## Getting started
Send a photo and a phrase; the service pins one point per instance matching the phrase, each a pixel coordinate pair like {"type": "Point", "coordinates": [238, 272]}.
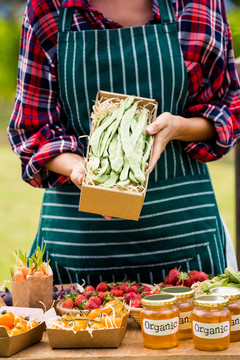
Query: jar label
{"type": "Point", "coordinates": [235, 322]}
{"type": "Point", "coordinates": [161, 327]}
{"type": "Point", "coordinates": [211, 331]}
{"type": "Point", "coordinates": [185, 320]}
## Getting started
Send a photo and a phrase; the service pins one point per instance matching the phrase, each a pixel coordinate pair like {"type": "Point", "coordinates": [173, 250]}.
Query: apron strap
{"type": "Point", "coordinates": [166, 11]}
{"type": "Point", "coordinates": [65, 18]}
{"type": "Point", "coordinates": [66, 15]}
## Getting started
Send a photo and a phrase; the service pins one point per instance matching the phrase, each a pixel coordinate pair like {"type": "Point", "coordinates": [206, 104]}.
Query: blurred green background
{"type": "Point", "coordinates": [20, 203]}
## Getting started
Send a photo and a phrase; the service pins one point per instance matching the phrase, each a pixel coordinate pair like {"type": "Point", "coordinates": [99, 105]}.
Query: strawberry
{"type": "Point", "coordinates": [173, 276]}
{"type": "Point", "coordinates": [132, 288]}
{"type": "Point", "coordinates": [202, 276]}
{"type": "Point", "coordinates": [68, 304]}
{"type": "Point", "coordinates": [155, 292]}
{"type": "Point", "coordinates": [181, 278]}
{"type": "Point", "coordinates": [187, 282]}
{"type": "Point", "coordinates": [102, 287]}
{"type": "Point", "coordinates": [113, 286]}
{"type": "Point", "coordinates": [123, 286]}
{"type": "Point", "coordinates": [193, 276]}
{"type": "Point", "coordinates": [166, 280]}
{"type": "Point", "coordinates": [145, 288]}
{"type": "Point", "coordinates": [91, 304]}
{"type": "Point", "coordinates": [103, 295]}
{"type": "Point", "coordinates": [132, 295]}
{"type": "Point", "coordinates": [89, 288]}
{"type": "Point", "coordinates": [166, 285]}
{"type": "Point", "coordinates": [136, 303]}
{"type": "Point", "coordinates": [79, 300]}
{"type": "Point", "coordinates": [116, 292]}
{"type": "Point", "coordinates": [96, 299]}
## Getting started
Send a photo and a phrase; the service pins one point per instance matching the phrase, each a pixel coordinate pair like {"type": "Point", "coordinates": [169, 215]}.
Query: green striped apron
{"type": "Point", "coordinates": [179, 223]}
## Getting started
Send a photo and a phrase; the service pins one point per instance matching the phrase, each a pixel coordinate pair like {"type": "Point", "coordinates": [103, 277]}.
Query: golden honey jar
{"type": "Point", "coordinates": [233, 295]}
{"type": "Point", "coordinates": [159, 320]}
{"type": "Point", "coordinates": [184, 297]}
{"type": "Point", "coordinates": [211, 322]}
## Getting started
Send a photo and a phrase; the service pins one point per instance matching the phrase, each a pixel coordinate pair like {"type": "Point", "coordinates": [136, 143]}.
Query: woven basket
{"type": "Point", "coordinates": [134, 313]}
{"type": "Point", "coordinates": [62, 311]}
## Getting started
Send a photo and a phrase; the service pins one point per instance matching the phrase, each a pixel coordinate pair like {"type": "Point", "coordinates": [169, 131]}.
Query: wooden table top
{"type": "Point", "coordinates": [131, 348]}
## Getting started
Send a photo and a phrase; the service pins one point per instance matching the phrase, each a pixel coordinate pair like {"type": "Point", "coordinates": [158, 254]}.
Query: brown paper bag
{"type": "Point", "coordinates": [33, 292]}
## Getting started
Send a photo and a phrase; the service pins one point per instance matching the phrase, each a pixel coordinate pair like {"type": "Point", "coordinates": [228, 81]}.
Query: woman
{"type": "Point", "coordinates": [71, 50]}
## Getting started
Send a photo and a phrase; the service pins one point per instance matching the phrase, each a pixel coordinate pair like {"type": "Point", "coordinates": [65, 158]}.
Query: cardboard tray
{"type": "Point", "coordinates": [114, 202]}
{"type": "Point", "coordinates": [106, 338]}
{"type": "Point", "coordinates": [10, 345]}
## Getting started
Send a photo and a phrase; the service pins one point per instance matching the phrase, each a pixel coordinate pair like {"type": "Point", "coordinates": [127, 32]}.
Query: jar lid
{"type": "Point", "coordinates": [181, 292]}
{"type": "Point", "coordinates": [210, 301]}
{"type": "Point", "coordinates": [158, 300]}
{"type": "Point", "coordinates": [228, 292]}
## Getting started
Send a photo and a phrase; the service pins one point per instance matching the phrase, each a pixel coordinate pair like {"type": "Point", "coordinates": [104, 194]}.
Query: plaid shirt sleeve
{"type": "Point", "coordinates": [214, 91]}
{"type": "Point", "coordinates": [35, 131]}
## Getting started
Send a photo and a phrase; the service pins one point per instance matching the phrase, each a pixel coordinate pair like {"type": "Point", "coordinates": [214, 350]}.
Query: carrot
{"type": "Point", "coordinates": [38, 273]}
{"type": "Point", "coordinates": [25, 270]}
{"type": "Point", "coordinates": [19, 276]}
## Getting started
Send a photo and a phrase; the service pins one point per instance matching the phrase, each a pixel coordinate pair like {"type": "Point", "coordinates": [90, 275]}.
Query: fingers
{"type": "Point", "coordinates": [77, 174]}
{"type": "Point", "coordinates": [107, 217]}
{"type": "Point", "coordinates": [163, 131]}
{"type": "Point", "coordinates": [159, 124]}
{"type": "Point", "coordinates": [156, 153]}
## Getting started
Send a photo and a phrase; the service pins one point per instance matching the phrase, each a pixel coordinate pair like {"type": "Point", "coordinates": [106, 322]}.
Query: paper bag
{"type": "Point", "coordinates": [33, 292]}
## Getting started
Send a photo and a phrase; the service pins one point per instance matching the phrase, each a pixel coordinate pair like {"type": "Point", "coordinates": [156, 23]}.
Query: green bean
{"type": "Point", "coordinates": [95, 138]}
{"type": "Point", "coordinates": [149, 139]}
{"type": "Point", "coordinates": [125, 170]}
{"type": "Point", "coordinates": [95, 160]}
{"type": "Point", "coordinates": [104, 165]}
{"type": "Point", "coordinates": [109, 135]}
{"type": "Point", "coordinates": [111, 180]}
{"type": "Point", "coordinates": [117, 162]}
{"type": "Point", "coordinates": [102, 178]}
{"type": "Point", "coordinates": [124, 183]}
{"type": "Point", "coordinates": [132, 177]}
{"type": "Point", "coordinates": [100, 121]}
{"type": "Point", "coordinates": [140, 127]}
{"type": "Point", "coordinates": [127, 146]}
{"type": "Point", "coordinates": [106, 137]}
{"type": "Point", "coordinates": [113, 149]}
{"type": "Point", "coordinates": [134, 123]}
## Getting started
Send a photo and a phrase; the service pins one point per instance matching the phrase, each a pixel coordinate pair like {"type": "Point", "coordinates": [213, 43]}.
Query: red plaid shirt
{"type": "Point", "coordinates": [35, 130]}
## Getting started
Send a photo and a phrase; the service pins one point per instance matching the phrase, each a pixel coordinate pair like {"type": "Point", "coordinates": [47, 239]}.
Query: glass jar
{"type": "Point", "coordinates": [159, 320]}
{"type": "Point", "coordinates": [184, 297]}
{"type": "Point", "coordinates": [233, 295]}
{"type": "Point", "coordinates": [211, 322]}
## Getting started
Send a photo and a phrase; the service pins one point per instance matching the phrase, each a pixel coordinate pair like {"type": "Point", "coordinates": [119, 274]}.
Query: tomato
{"type": "Point", "coordinates": [7, 318]}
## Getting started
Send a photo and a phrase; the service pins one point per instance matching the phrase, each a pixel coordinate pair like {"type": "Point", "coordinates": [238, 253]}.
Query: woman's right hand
{"type": "Point", "coordinates": [71, 165]}
{"type": "Point", "coordinates": [68, 164]}
{"type": "Point", "coordinates": [77, 173]}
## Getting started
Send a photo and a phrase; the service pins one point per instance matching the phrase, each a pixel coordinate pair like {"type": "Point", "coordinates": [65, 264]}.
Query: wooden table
{"type": "Point", "coordinates": [131, 349]}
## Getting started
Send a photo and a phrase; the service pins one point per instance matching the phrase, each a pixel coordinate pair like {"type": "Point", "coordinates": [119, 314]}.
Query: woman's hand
{"type": "Point", "coordinates": [71, 165]}
{"type": "Point", "coordinates": [169, 127]}
{"type": "Point", "coordinates": [68, 164]}
{"type": "Point", "coordinates": [164, 129]}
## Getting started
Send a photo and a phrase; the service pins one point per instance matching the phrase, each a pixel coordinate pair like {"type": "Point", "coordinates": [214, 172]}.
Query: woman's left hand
{"type": "Point", "coordinates": [164, 128]}
{"type": "Point", "coordinates": [169, 127]}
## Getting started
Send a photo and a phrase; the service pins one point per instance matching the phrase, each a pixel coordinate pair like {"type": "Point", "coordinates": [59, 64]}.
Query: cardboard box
{"type": "Point", "coordinates": [115, 202]}
{"type": "Point", "coordinates": [10, 345]}
{"type": "Point", "coordinates": [106, 338]}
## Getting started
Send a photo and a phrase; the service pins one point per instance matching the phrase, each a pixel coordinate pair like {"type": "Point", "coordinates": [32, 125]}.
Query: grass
{"type": "Point", "coordinates": [21, 204]}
